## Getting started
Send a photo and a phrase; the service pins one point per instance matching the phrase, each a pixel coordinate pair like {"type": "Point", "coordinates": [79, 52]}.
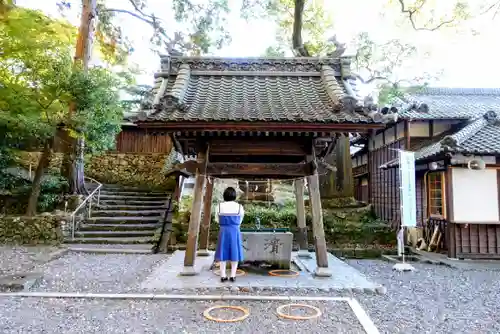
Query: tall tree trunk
{"type": "Point", "coordinates": [338, 184]}
{"type": "Point", "coordinates": [37, 181]}
{"type": "Point", "coordinates": [73, 162]}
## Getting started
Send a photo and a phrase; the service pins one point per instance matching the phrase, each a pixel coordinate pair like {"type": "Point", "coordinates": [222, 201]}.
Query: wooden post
{"type": "Point", "coordinates": [194, 222]}
{"type": "Point", "coordinates": [207, 218]}
{"type": "Point", "coordinates": [301, 219]}
{"type": "Point", "coordinates": [318, 229]}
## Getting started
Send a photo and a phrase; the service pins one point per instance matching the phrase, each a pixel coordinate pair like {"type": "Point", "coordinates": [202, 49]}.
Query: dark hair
{"type": "Point", "coordinates": [229, 194]}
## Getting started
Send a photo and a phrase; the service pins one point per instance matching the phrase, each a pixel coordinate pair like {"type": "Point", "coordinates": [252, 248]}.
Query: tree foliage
{"type": "Point", "coordinates": [39, 82]}
{"type": "Point", "coordinates": [202, 26]}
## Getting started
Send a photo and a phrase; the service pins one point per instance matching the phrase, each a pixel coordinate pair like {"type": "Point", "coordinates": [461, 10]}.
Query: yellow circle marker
{"type": "Point", "coordinates": [243, 310]}
{"type": "Point", "coordinates": [284, 273]}
{"type": "Point", "coordinates": [239, 272]}
{"type": "Point", "coordinates": [279, 310]}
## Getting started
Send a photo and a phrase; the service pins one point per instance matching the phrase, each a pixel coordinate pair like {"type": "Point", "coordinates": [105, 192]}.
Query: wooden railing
{"type": "Point", "coordinates": [166, 228]}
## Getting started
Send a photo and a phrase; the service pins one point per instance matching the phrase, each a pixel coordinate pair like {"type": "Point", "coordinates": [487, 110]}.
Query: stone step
{"type": "Point", "coordinates": [114, 241]}
{"type": "Point", "coordinates": [119, 227]}
{"type": "Point", "coordinates": [115, 187]}
{"type": "Point", "coordinates": [114, 234]}
{"type": "Point", "coordinates": [122, 220]}
{"type": "Point", "coordinates": [133, 193]}
{"type": "Point", "coordinates": [111, 248]}
{"type": "Point", "coordinates": [129, 207]}
{"type": "Point", "coordinates": [121, 213]}
{"type": "Point", "coordinates": [135, 198]}
{"type": "Point", "coordinates": [127, 202]}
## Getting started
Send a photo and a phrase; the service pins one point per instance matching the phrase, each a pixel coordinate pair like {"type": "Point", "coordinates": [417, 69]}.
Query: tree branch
{"type": "Point", "coordinates": [124, 11]}
{"type": "Point", "coordinates": [411, 16]}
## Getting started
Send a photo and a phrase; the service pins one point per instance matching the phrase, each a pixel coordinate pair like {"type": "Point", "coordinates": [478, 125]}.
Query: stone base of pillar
{"type": "Point", "coordinates": [322, 272]}
{"type": "Point", "coordinates": [203, 252]}
{"type": "Point", "coordinates": [188, 271]}
{"type": "Point", "coordinates": [303, 253]}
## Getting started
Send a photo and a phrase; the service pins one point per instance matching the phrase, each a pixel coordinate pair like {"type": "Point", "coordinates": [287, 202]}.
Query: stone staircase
{"type": "Point", "coordinates": [126, 218]}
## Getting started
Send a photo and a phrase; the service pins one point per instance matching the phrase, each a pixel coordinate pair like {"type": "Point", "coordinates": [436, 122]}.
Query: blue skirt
{"type": "Point", "coordinates": [229, 245]}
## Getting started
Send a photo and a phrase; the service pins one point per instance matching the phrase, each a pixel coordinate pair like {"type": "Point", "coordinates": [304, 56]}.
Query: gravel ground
{"type": "Point", "coordinates": [98, 273]}
{"type": "Point", "coordinates": [22, 259]}
{"type": "Point", "coordinates": [107, 316]}
{"type": "Point", "coordinates": [433, 299]}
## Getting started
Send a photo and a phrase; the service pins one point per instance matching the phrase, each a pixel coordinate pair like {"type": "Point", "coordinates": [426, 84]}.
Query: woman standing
{"type": "Point", "coordinates": [229, 245]}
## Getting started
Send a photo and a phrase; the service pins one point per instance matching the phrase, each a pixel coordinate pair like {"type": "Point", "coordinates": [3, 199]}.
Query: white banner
{"type": "Point", "coordinates": [408, 191]}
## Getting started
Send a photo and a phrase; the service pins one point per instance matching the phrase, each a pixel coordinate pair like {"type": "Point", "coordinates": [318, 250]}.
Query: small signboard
{"type": "Point", "coordinates": [408, 191]}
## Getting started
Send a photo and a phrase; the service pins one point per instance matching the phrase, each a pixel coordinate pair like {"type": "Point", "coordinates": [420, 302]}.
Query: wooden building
{"type": "Point", "coordinates": [254, 118]}
{"type": "Point", "coordinates": [456, 136]}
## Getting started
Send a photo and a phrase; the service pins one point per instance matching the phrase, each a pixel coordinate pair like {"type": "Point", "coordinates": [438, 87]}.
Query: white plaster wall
{"type": "Point", "coordinates": [475, 195]}
{"type": "Point", "coordinates": [488, 159]}
{"type": "Point", "coordinates": [440, 127]}
{"type": "Point", "coordinates": [419, 129]}
{"type": "Point", "coordinates": [364, 159]}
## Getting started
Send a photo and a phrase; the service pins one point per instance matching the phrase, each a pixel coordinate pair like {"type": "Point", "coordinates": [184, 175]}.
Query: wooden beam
{"type": "Point", "coordinates": [277, 170]}
{"type": "Point", "coordinates": [301, 219]}
{"type": "Point", "coordinates": [207, 218]}
{"type": "Point", "coordinates": [318, 228]}
{"type": "Point", "coordinates": [194, 222]}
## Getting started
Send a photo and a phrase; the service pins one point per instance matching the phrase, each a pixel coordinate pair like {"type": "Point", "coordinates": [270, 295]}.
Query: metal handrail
{"type": "Point", "coordinates": [83, 203]}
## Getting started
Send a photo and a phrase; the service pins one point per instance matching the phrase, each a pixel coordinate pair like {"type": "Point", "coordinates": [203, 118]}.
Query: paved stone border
{"type": "Point", "coordinates": [108, 251]}
{"type": "Point", "coordinates": [57, 254]}
{"type": "Point", "coordinates": [379, 290]}
{"type": "Point", "coordinates": [357, 309]}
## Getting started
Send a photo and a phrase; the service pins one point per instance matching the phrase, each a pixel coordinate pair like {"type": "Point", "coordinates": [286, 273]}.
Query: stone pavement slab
{"type": "Point", "coordinates": [344, 279]}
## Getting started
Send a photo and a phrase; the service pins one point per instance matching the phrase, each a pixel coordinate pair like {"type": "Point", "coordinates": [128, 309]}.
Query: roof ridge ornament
{"type": "Point", "coordinates": [491, 117]}
{"type": "Point", "coordinates": [339, 47]}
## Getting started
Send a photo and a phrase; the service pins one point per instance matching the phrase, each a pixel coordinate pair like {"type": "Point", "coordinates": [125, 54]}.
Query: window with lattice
{"type": "Point", "coordinates": [436, 195]}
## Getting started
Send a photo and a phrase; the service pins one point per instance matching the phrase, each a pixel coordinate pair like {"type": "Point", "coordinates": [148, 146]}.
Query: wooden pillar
{"type": "Point", "coordinates": [318, 228]}
{"type": "Point", "coordinates": [207, 218]}
{"type": "Point", "coordinates": [301, 219]}
{"type": "Point", "coordinates": [194, 222]}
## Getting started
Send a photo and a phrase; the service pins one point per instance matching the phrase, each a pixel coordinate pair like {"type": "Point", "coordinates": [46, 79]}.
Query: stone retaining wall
{"type": "Point", "coordinates": [43, 229]}
{"type": "Point", "coordinates": [138, 170]}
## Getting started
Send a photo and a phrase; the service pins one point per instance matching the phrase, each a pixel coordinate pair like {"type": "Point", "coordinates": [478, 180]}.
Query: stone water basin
{"type": "Point", "coordinates": [273, 246]}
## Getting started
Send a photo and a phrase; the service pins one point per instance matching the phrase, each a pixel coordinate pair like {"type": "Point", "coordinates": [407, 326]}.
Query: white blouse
{"type": "Point", "coordinates": [230, 208]}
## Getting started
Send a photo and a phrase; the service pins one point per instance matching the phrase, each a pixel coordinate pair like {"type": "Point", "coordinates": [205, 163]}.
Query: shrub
{"type": "Point", "coordinates": [350, 227]}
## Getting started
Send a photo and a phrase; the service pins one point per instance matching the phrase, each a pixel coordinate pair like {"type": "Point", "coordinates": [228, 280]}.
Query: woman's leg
{"type": "Point", "coordinates": [234, 268]}
{"type": "Point", "coordinates": [222, 268]}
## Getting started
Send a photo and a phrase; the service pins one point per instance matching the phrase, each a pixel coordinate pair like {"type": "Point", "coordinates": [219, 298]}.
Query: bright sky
{"type": "Point", "coordinates": [467, 61]}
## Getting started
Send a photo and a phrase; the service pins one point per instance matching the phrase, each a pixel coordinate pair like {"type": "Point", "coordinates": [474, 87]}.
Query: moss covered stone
{"type": "Point", "coordinates": [43, 229]}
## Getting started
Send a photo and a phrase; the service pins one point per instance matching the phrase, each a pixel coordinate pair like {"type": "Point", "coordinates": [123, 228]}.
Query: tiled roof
{"type": "Point", "coordinates": [480, 136]}
{"type": "Point", "coordinates": [449, 103]}
{"type": "Point", "coordinates": [255, 89]}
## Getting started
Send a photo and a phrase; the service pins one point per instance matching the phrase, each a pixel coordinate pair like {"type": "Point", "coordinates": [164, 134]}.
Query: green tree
{"type": "Point", "coordinates": [203, 26]}
{"type": "Point", "coordinates": [205, 22]}
{"type": "Point", "coordinates": [38, 82]}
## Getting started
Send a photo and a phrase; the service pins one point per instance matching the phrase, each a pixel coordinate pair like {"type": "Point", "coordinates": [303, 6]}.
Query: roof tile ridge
{"type": "Point", "coordinates": [181, 83]}
{"type": "Point", "coordinates": [455, 140]}
{"type": "Point", "coordinates": [332, 86]}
